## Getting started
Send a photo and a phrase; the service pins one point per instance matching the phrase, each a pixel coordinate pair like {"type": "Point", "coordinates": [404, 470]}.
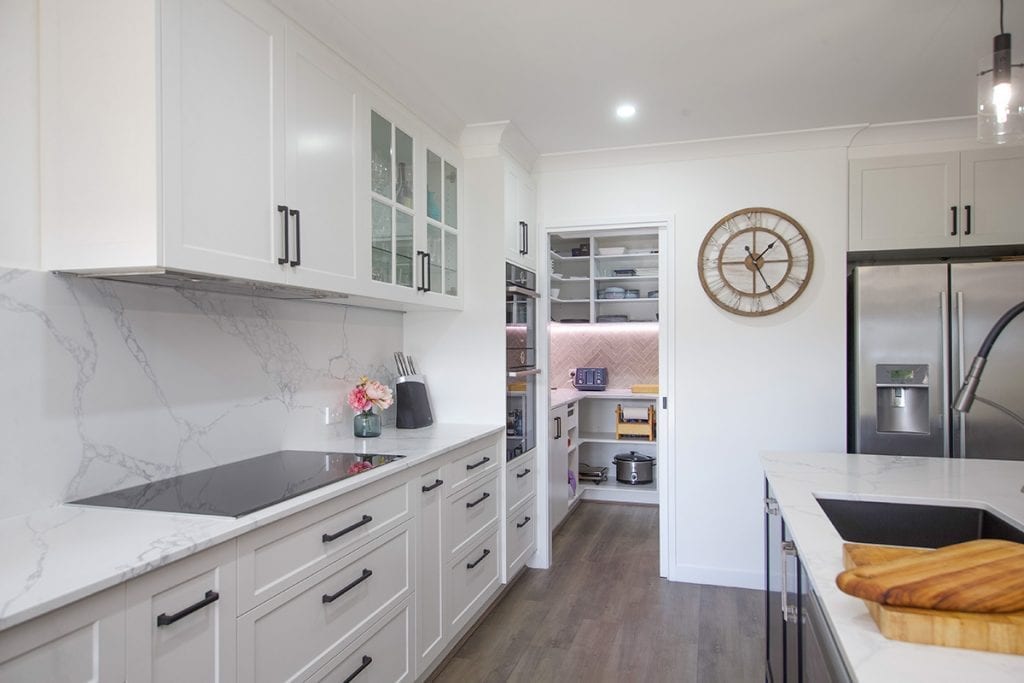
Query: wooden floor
{"type": "Point", "coordinates": [602, 614]}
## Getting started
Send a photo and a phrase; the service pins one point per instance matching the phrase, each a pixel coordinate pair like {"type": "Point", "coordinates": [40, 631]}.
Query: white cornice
{"type": "Point", "coordinates": [490, 139]}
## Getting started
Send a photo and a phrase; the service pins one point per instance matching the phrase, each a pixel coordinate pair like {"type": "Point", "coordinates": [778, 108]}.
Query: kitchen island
{"type": "Point", "coordinates": [797, 479]}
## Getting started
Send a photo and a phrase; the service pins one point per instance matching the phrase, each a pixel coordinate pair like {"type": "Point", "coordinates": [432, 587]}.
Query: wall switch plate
{"type": "Point", "coordinates": [333, 415]}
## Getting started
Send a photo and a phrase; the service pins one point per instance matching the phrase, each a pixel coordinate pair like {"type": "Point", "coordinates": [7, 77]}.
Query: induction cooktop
{"type": "Point", "coordinates": [242, 487]}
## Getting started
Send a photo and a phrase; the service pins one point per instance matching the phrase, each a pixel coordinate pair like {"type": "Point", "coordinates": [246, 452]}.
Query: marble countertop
{"type": "Point", "coordinates": [797, 478]}
{"type": "Point", "coordinates": [57, 555]}
{"type": "Point", "coordinates": [560, 397]}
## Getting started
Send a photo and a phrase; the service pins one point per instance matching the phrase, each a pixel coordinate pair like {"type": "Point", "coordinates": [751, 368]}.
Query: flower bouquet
{"type": "Point", "coordinates": [366, 396]}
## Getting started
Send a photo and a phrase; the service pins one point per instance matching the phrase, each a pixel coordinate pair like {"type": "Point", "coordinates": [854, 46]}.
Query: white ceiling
{"type": "Point", "coordinates": [695, 69]}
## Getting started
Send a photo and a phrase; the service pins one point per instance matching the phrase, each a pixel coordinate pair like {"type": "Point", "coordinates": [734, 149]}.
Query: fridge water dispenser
{"type": "Point", "coordinates": [901, 399]}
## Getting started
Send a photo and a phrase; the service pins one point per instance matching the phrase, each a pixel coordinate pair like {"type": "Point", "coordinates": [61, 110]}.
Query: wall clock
{"type": "Point", "coordinates": [755, 261]}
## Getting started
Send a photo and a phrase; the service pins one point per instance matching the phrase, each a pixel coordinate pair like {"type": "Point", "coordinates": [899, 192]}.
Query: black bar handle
{"type": "Point", "coordinates": [327, 538]}
{"type": "Point", "coordinates": [967, 212]}
{"type": "Point", "coordinates": [477, 464]}
{"type": "Point", "coordinates": [471, 565]}
{"type": "Point", "coordinates": [558, 425]}
{"type": "Point", "coordinates": [363, 577]}
{"type": "Point", "coordinates": [953, 211]}
{"type": "Point", "coordinates": [367, 661]}
{"type": "Point", "coordinates": [298, 238]}
{"type": "Point", "coordinates": [423, 276]}
{"type": "Point", "coordinates": [523, 474]}
{"type": "Point", "coordinates": [478, 500]}
{"type": "Point", "coordinates": [526, 238]}
{"type": "Point", "coordinates": [430, 278]}
{"type": "Point", "coordinates": [522, 238]}
{"type": "Point", "coordinates": [520, 525]}
{"type": "Point", "coordinates": [168, 619]}
{"type": "Point", "coordinates": [282, 209]}
{"type": "Point", "coordinates": [437, 482]}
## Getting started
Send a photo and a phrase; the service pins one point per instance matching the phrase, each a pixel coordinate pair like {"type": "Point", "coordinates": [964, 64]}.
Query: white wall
{"type": "Point", "coordinates": [741, 385]}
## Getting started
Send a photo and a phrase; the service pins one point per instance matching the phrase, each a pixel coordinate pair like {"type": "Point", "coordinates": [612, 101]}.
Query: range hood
{"type": "Point", "coordinates": [165, 277]}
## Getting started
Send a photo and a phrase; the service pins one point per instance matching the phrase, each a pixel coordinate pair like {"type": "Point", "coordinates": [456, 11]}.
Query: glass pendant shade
{"type": "Point", "coordinates": [1001, 98]}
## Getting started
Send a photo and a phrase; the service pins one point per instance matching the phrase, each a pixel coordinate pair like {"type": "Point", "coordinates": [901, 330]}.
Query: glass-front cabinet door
{"type": "Point", "coordinates": [392, 212]}
{"type": "Point", "coordinates": [442, 254]}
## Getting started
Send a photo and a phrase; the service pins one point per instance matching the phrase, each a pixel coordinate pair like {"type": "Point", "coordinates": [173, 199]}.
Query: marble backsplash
{"type": "Point", "coordinates": [109, 385]}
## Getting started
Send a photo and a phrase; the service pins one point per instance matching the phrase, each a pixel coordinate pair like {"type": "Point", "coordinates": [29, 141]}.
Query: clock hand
{"type": "Point", "coordinates": [757, 267]}
{"type": "Point", "coordinates": [759, 256]}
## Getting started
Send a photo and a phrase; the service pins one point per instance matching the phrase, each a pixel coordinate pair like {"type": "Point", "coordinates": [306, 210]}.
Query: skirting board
{"type": "Point", "coordinates": [717, 576]}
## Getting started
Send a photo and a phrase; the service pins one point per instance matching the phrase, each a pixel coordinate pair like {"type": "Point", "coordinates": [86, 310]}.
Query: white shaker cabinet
{"type": "Point", "coordinates": [84, 642]}
{"type": "Point", "coordinates": [521, 245]}
{"type": "Point", "coordinates": [429, 575]}
{"type": "Point", "coordinates": [181, 620]}
{"type": "Point", "coordinates": [558, 467]}
{"type": "Point", "coordinates": [925, 201]}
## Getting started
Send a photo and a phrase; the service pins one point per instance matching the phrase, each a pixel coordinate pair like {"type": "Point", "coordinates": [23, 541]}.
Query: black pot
{"type": "Point", "coordinates": [634, 468]}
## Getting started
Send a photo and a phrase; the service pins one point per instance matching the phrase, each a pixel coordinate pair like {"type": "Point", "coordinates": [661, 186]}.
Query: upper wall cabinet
{"type": "Point", "coordinates": [218, 137]}
{"type": "Point", "coordinates": [954, 199]}
{"type": "Point", "coordinates": [521, 245]}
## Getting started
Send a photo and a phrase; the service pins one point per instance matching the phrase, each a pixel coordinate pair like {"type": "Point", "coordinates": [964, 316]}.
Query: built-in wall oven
{"type": "Point", "coordinates": [521, 360]}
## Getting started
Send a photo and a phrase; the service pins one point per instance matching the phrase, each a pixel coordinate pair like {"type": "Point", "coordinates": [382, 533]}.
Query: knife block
{"type": "Point", "coordinates": [413, 402]}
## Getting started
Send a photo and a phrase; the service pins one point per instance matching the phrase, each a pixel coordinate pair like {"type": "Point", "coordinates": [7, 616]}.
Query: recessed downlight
{"type": "Point", "coordinates": [625, 111]}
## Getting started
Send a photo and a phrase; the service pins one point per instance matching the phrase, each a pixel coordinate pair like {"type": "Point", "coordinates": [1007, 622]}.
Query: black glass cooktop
{"type": "Point", "coordinates": [242, 487]}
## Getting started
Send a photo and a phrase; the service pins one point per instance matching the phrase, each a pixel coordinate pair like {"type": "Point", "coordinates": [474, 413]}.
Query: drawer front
{"type": "Point", "coordinates": [472, 579]}
{"type": "Point", "coordinates": [520, 536]}
{"type": "Point", "coordinates": [273, 559]}
{"type": "Point", "coordinates": [293, 634]}
{"type": "Point", "coordinates": [520, 481]}
{"type": "Point", "coordinates": [478, 461]}
{"type": "Point", "coordinates": [384, 657]}
{"type": "Point", "coordinates": [470, 512]}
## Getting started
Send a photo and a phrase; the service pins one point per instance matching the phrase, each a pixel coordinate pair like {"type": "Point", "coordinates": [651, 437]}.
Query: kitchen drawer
{"type": "Point", "coordinates": [470, 464]}
{"type": "Point", "coordinates": [296, 632]}
{"type": "Point", "coordinates": [470, 511]}
{"type": "Point", "coordinates": [472, 579]}
{"type": "Point", "coordinates": [520, 536]}
{"type": "Point", "coordinates": [280, 555]}
{"type": "Point", "coordinates": [520, 480]}
{"type": "Point", "coordinates": [383, 657]}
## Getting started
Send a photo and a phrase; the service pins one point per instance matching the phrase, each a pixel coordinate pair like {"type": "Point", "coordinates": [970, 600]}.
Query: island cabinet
{"type": "Point", "coordinates": [82, 642]}
{"type": "Point", "coordinates": [799, 645]}
{"type": "Point", "coordinates": [943, 200]}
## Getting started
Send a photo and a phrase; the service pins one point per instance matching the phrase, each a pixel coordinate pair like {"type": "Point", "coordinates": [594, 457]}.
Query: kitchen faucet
{"type": "Point", "coordinates": [965, 397]}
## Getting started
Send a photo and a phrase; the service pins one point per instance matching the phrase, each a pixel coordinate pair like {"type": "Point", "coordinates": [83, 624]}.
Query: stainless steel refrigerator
{"type": "Point", "coordinates": [914, 331]}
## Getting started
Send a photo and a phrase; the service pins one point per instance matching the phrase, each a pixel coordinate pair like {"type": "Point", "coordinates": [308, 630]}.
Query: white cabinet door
{"type": "Point", "coordinates": [83, 642]}
{"type": "Point", "coordinates": [181, 620]}
{"type": "Point", "coordinates": [521, 246]}
{"type": "Point", "coordinates": [992, 194]}
{"type": "Point", "coordinates": [908, 202]}
{"type": "Point", "coordinates": [430, 570]}
{"type": "Point", "coordinates": [222, 80]}
{"type": "Point", "coordinates": [320, 133]}
{"type": "Point", "coordinates": [558, 467]}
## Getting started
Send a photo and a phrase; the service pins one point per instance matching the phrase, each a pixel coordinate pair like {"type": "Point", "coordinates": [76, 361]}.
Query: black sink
{"type": "Point", "coordinates": [910, 524]}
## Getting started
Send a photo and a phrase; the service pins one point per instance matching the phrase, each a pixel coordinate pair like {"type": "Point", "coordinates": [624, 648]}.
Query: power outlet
{"type": "Point", "coordinates": [333, 415]}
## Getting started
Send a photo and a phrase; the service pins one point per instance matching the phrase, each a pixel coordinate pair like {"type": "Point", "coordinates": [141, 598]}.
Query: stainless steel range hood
{"type": "Point", "coordinates": [164, 277]}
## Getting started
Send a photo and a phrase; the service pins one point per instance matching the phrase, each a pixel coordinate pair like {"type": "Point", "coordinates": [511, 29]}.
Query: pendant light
{"type": "Point", "coordinates": [1001, 92]}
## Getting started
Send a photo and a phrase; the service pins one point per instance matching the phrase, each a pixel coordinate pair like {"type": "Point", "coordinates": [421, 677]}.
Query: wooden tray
{"type": "Point", "coordinates": [970, 630]}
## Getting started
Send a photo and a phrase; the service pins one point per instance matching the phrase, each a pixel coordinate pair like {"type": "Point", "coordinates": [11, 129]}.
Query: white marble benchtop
{"type": "Point", "coordinates": [797, 478]}
{"type": "Point", "coordinates": [55, 556]}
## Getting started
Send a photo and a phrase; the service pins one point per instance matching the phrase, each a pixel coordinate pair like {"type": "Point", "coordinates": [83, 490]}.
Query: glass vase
{"type": "Point", "coordinates": [366, 425]}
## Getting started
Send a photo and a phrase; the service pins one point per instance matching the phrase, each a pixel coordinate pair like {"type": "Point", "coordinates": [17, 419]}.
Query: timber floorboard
{"type": "Point", "coordinates": [601, 613]}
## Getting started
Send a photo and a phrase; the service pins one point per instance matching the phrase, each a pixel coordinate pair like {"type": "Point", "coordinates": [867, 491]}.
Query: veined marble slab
{"type": "Point", "coordinates": [798, 478]}
{"type": "Point", "coordinates": [60, 554]}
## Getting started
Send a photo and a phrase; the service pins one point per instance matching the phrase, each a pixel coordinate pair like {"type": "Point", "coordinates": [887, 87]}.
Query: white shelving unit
{"type": "Point", "coordinates": [578, 283]}
{"type": "Point", "coordinates": [597, 446]}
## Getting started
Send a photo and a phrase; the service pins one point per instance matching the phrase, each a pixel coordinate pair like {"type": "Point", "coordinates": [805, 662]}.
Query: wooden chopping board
{"type": "Point", "coordinates": [977, 576]}
{"type": "Point", "coordinates": [971, 630]}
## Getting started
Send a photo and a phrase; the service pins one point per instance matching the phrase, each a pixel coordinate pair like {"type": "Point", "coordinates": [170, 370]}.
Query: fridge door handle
{"type": "Point", "coordinates": [961, 417]}
{"type": "Point", "coordinates": [946, 371]}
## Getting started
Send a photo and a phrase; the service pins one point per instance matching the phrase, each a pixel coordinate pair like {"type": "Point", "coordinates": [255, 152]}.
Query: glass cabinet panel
{"type": "Point", "coordinates": [434, 248]}
{"type": "Point", "coordinates": [451, 205]}
{"type": "Point", "coordinates": [451, 264]}
{"type": "Point", "coordinates": [403, 248]}
{"type": "Point", "coordinates": [403, 166]}
{"type": "Point", "coordinates": [391, 184]}
{"type": "Point", "coordinates": [381, 244]}
{"type": "Point", "coordinates": [380, 155]}
{"type": "Point", "coordinates": [434, 182]}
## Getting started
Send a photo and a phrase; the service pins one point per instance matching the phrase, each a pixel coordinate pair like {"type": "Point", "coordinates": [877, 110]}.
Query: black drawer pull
{"type": "Point", "coordinates": [967, 214]}
{"type": "Point", "coordinates": [331, 598]}
{"type": "Point", "coordinates": [283, 210]}
{"type": "Point", "coordinates": [327, 538]}
{"type": "Point", "coordinates": [522, 474]}
{"type": "Point", "coordinates": [367, 661]}
{"type": "Point", "coordinates": [952, 210]}
{"type": "Point", "coordinates": [471, 565]}
{"type": "Point", "coordinates": [477, 464]}
{"type": "Point", "coordinates": [478, 500]}
{"type": "Point", "coordinates": [168, 619]}
{"type": "Point", "coordinates": [297, 261]}
{"type": "Point", "coordinates": [520, 525]}
{"type": "Point", "coordinates": [437, 482]}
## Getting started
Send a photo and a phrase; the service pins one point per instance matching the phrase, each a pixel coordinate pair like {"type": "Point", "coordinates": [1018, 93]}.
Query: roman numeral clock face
{"type": "Point", "coordinates": [755, 261]}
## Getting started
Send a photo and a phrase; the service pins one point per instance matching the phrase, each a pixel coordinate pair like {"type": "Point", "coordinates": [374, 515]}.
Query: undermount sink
{"type": "Point", "coordinates": [911, 524]}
